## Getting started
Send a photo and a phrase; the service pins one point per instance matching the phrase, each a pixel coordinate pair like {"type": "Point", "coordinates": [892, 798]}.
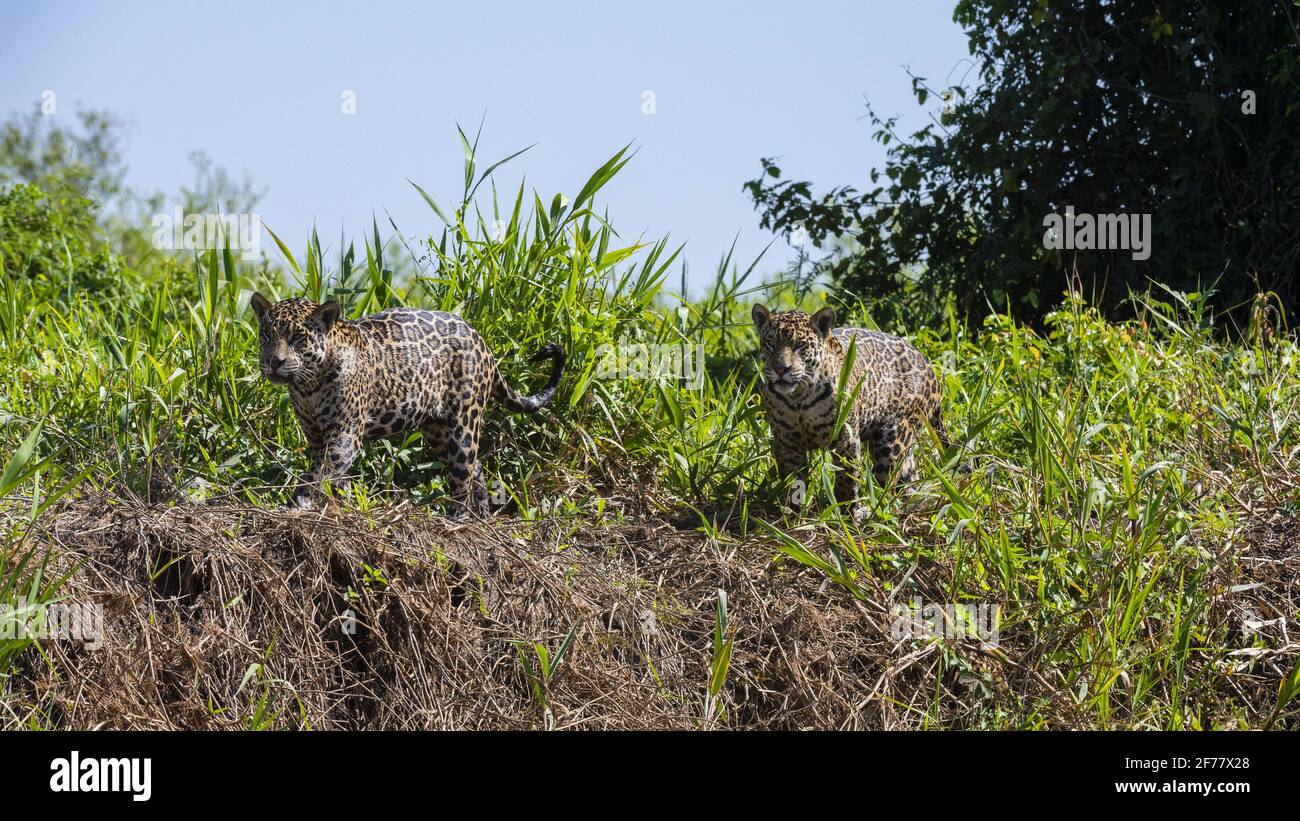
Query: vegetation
{"type": "Point", "coordinates": [1130, 481]}
{"type": "Point", "coordinates": [1186, 112]}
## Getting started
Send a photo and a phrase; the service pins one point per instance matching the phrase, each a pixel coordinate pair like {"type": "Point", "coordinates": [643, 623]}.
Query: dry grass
{"type": "Point", "coordinates": [195, 597]}
{"type": "Point", "coordinates": [229, 617]}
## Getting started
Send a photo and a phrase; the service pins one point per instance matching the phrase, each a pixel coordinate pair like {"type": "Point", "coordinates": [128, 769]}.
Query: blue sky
{"type": "Point", "coordinates": [259, 87]}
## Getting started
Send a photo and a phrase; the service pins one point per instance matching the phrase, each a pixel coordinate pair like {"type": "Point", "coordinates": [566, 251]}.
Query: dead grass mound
{"type": "Point", "coordinates": [231, 617]}
{"type": "Point", "coordinates": [227, 617]}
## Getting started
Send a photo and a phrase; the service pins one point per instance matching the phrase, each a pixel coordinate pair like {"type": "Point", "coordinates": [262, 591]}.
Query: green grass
{"type": "Point", "coordinates": [1114, 466]}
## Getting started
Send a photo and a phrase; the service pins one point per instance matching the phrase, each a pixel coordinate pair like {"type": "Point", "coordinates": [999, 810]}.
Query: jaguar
{"type": "Point", "coordinates": [383, 375]}
{"type": "Point", "coordinates": [892, 387]}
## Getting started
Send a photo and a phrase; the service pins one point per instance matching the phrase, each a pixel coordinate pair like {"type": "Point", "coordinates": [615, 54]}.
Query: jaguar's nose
{"type": "Point", "coordinates": [276, 363]}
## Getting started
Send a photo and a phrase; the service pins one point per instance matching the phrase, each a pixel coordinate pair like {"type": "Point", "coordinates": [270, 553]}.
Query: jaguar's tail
{"type": "Point", "coordinates": [507, 396]}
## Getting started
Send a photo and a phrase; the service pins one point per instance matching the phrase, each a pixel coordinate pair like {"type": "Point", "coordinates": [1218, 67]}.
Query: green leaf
{"type": "Point", "coordinates": [16, 472]}
{"type": "Point", "coordinates": [284, 250]}
{"type": "Point", "coordinates": [430, 201]}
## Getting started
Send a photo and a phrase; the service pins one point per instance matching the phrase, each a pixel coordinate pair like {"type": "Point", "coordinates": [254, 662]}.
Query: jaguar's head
{"type": "Point", "coordinates": [793, 345]}
{"type": "Point", "coordinates": [294, 339]}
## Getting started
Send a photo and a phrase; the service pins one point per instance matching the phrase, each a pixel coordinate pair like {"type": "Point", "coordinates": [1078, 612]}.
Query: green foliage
{"type": "Point", "coordinates": [26, 585]}
{"type": "Point", "coordinates": [1111, 461]}
{"type": "Point", "coordinates": [81, 170]}
{"type": "Point", "coordinates": [1106, 107]}
{"type": "Point", "coordinates": [720, 662]}
{"type": "Point", "coordinates": [56, 244]}
{"type": "Point", "coordinates": [84, 160]}
{"type": "Point", "coordinates": [540, 669]}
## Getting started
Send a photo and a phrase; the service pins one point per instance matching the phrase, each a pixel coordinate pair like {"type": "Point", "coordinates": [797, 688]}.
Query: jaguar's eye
{"type": "Point", "coordinates": [297, 340]}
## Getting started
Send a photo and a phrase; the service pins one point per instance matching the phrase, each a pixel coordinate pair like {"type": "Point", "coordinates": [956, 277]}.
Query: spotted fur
{"type": "Point", "coordinates": [388, 374]}
{"type": "Point", "coordinates": [897, 394]}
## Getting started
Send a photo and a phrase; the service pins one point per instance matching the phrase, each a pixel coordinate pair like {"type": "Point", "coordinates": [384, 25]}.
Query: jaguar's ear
{"type": "Point", "coordinates": [327, 314]}
{"type": "Point", "coordinates": [761, 315]}
{"type": "Point", "coordinates": [260, 305]}
{"type": "Point", "coordinates": [824, 321]}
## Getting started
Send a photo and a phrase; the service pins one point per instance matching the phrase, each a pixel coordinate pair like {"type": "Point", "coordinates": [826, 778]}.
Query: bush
{"type": "Point", "coordinates": [1187, 113]}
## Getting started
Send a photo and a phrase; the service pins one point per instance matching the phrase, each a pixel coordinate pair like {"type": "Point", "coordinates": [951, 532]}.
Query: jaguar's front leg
{"type": "Point", "coordinates": [847, 456]}
{"type": "Point", "coordinates": [304, 493]}
{"type": "Point", "coordinates": [302, 496]}
{"type": "Point", "coordinates": [791, 466]}
{"type": "Point", "coordinates": [331, 462]}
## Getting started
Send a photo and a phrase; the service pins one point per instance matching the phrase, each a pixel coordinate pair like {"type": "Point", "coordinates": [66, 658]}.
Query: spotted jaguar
{"type": "Point", "coordinates": [897, 394]}
{"type": "Point", "coordinates": [383, 375]}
